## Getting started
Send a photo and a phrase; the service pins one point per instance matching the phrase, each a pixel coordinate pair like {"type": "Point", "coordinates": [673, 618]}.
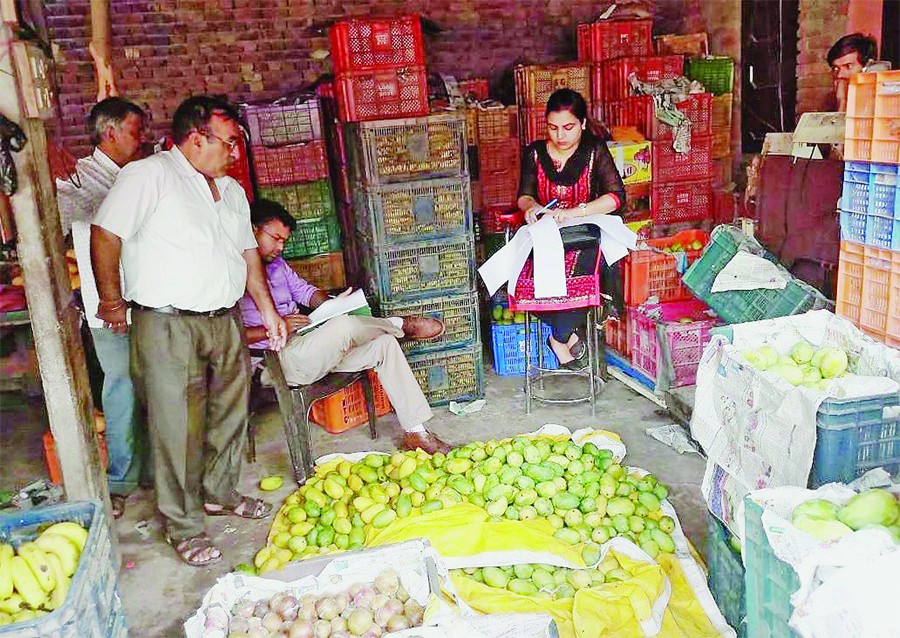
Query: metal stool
{"type": "Point", "coordinates": [295, 403]}
{"type": "Point", "coordinates": [589, 297]}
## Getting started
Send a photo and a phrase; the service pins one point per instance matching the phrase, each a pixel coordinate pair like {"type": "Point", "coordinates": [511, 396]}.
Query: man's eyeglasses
{"type": "Point", "coordinates": [231, 144]}
{"type": "Point", "coordinates": [278, 239]}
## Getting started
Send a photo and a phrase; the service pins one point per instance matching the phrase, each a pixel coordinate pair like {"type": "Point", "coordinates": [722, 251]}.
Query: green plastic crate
{"type": "Point", "coordinates": [715, 73]}
{"type": "Point", "coordinates": [740, 306]}
{"type": "Point", "coordinates": [311, 200]}
{"type": "Point", "coordinates": [456, 374]}
{"type": "Point", "coordinates": [313, 237]}
{"type": "Point", "coordinates": [726, 574]}
{"type": "Point", "coordinates": [769, 581]}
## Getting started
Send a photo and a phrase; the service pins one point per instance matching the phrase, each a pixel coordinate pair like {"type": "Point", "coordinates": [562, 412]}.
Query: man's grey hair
{"type": "Point", "coordinates": [110, 112]}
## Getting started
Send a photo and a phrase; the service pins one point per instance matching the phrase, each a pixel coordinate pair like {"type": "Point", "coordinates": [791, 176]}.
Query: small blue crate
{"type": "Point", "coordinates": [92, 607]}
{"type": "Point", "coordinates": [884, 196]}
{"type": "Point", "coordinates": [870, 205]}
{"type": "Point", "coordinates": [853, 227]}
{"type": "Point", "coordinates": [726, 574]}
{"type": "Point", "coordinates": [882, 232]}
{"type": "Point", "coordinates": [854, 436]}
{"type": "Point", "coordinates": [769, 581]}
{"type": "Point", "coordinates": [855, 194]}
{"type": "Point", "coordinates": [509, 348]}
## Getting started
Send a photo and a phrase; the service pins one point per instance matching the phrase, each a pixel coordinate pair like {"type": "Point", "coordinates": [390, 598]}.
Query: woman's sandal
{"type": "Point", "coordinates": [190, 549]}
{"type": "Point", "coordinates": [247, 507]}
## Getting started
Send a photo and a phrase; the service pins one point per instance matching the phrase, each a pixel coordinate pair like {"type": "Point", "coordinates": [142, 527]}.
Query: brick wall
{"type": "Point", "coordinates": [164, 50]}
{"type": "Point", "coordinates": [821, 23]}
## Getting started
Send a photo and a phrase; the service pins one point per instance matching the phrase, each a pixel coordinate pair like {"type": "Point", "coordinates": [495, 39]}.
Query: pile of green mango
{"type": "Point", "coordinates": [581, 490]}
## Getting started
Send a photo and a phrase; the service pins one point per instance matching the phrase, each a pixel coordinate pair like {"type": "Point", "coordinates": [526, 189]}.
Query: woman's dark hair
{"type": "Point", "coordinates": [262, 211]}
{"type": "Point", "coordinates": [573, 102]}
{"type": "Point", "coordinates": [196, 112]}
{"type": "Point", "coordinates": [864, 46]}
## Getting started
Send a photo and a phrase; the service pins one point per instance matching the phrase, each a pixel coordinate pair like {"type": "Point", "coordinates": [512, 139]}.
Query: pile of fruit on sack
{"type": "Point", "coordinates": [564, 526]}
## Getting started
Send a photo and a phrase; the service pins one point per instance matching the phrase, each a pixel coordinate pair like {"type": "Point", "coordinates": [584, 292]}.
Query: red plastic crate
{"type": "Point", "coordinates": [347, 409]}
{"type": "Point", "coordinates": [607, 39]}
{"type": "Point", "coordinates": [676, 202]}
{"type": "Point", "coordinates": [724, 205]}
{"type": "Point", "coordinates": [499, 155]}
{"type": "Point", "coordinates": [685, 341]}
{"type": "Point", "coordinates": [669, 166]}
{"type": "Point", "coordinates": [381, 95]}
{"type": "Point", "coordinates": [698, 108]}
{"type": "Point", "coordinates": [652, 272]}
{"type": "Point", "coordinates": [618, 335]}
{"type": "Point", "coordinates": [240, 171]}
{"type": "Point", "coordinates": [375, 44]}
{"type": "Point", "coordinates": [499, 188]}
{"type": "Point", "coordinates": [640, 112]}
{"type": "Point", "coordinates": [475, 87]}
{"type": "Point", "coordinates": [290, 164]}
{"type": "Point", "coordinates": [611, 76]}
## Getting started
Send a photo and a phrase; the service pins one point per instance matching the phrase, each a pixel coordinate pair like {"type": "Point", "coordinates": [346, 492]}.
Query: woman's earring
{"type": "Point", "coordinates": [582, 127]}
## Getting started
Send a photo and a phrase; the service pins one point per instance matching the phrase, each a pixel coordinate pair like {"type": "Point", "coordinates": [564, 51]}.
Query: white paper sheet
{"type": "Point", "coordinates": [746, 271]}
{"type": "Point", "coordinates": [335, 306]}
{"type": "Point", "coordinates": [505, 266]}
{"type": "Point", "coordinates": [549, 255]}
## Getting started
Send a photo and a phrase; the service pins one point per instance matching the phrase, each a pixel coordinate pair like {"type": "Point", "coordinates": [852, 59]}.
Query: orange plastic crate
{"type": "Point", "coordinates": [850, 281]}
{"type": "Point", "coordinates": [347, 409]}
{"type": "Point", "coordinates": [52, 461]}
{"type": "Point", "coordinates": [618, 335]}
{"type": "Point", "coordinates": [651, 273]}
{"type": "Point", "coordinates": [876, 290]}
{"type": "Point", "coordinates": [892, 338]}
{"type": "Point", "coordinates": [861, 95]}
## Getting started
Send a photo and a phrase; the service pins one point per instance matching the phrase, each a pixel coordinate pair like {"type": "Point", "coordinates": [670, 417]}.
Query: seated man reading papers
{"type": "Point", "coordinates": [343, 343]}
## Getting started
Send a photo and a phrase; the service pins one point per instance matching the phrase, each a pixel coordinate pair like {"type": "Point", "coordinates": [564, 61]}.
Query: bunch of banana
{"type": "Point", "coordinates": [35, 579]}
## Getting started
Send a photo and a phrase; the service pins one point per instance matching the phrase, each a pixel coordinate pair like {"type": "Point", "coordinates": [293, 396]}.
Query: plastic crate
{"type": "Point", "coordinates": [497, 124]}
{"type": "Point", "coordinates": [499, 188]}
{"type": "Point", "coordinates": [499, 155]}
{"type": "Point", "coordinates": [739, 306]}
{"type": "Point", "coordinates": [312, 200]}
{"type": "Point", "coordinates": [653, 273]}
{"type": "Point", "coordinates": [670, 166]}
{"type": "Point", "coordinates": [471, 127]}
{"type": "Point", "coordinates": [280, 124]}
{"type": "Point", "coordinates": [693, 45]}
{"type": "Point", "coordinates": [851, 268]}
{"type": "Point", "coordinates": [282, 165]}
{"type": "Point", "coordinates": [769, 581]}
{"type": "Point", "coordinates": [611, 76]}
{"type": "Point", "coordinates": [623, 364]}
{"type": "Point", "coordinates": [51, 460]}
{"type": "Point", "coordinates": [720, 145]}
{"type": "Point", "coordinates": [681, 201]}
{"type": "Point", "coordinates": [861, 95]}
{"type": "Point", "coordinates": [857, 150]}
{"type": "Point", "coordinates": [685, 341]}
{"type": "Point", "coordinates": [884, 190]}
{"type": "Point", "coordinates": [323, 271]}
{"type": "Point", "coordinates": [347, 408]}
{"type": "Point", "coordinates": [878, 265]}
{"type": "Point", "coordinates": [618, 335]}
{"type": "Point", "coordinates": [726, 574]}
{"type": "Point", "coordinates": [855, 192]}
{"type": "Point", "coordinates": [715, 73]}
{"type": "Point", "coordinates": [459, 313]}
{"type": "Point", "coordinates": [413, 211]}
{"type": "Point", "coordinates": [456, 374]}
{"type": "Point", "coordinates": [313, 237]}
{"type": "Point", "coordinates": [476, 88]}
{"type": "Point", "coordinates": [508, 343]}
{"type": "Point", "coordinates": [532, 124]}
{"type": "Point", "coordinates": [93, 606]}
{"type": "Point", "coordinates": [535, 84]}
{"type": "Point", "coordinates": [421, 269]}
{"type": "Point", "coordinates": [892, 336]}
{"type": "Point", "coordinates": [376, 43]}
{"type": "Point", "coordinates": [378, 95]}
{"type": "Point", "coordinates": [409, 149]}
{"type": "Point", "coordinates": [605, 39]}
{"type": "Point", "coordinates": [698, 109]}
{"type": "Point", "coordinates": [637, 111]}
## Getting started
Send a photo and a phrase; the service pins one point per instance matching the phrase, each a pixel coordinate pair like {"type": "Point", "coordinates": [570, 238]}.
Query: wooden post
{"type": "Point", "coordinates": [101, 50]}
{"type": "Point", "coordinates": [54, 321]}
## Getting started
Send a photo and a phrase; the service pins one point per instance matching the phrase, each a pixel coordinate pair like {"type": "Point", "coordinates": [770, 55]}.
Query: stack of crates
{"type": "Point", "coordinates": [414, 223]}
{"type": "Point", "coordinates": [379, 68]}
{"type": "Point", "coordinates": [291, 168]}
{"type": "Point", "coordinates": [869, 267]}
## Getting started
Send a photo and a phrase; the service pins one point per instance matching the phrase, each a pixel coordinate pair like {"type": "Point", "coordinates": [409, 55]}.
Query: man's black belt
{"type": "Point", "coordinates": [171, 310]}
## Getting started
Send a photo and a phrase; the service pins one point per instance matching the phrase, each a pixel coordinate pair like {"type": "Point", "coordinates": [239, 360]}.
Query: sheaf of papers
{"type": "Point", "coordinates": [746, 271]}
{"type": "Point", "coordinates": [543, 238]}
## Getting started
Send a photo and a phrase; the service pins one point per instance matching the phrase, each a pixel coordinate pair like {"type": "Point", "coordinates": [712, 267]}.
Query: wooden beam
{"type": "Point", "coordinates": [101, 49]}
{"type": "Point", "coordinates": [54, 321]}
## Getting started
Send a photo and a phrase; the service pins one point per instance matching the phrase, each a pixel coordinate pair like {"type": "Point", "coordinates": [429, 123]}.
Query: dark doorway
{"type": "Point", "coordinates": [890, 33]}
{"type": "Point", "coordinates": [768, 69]}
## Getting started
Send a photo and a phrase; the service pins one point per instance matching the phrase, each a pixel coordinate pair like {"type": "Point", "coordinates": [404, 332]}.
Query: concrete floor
{"type": "Point", "coordinates": [160, 592]}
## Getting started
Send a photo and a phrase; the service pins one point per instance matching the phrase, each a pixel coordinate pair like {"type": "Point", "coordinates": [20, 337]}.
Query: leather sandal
{"type": "Point", "coordinates": [190, 549]}
{"type": "Point", "coordinates": [247, 507]}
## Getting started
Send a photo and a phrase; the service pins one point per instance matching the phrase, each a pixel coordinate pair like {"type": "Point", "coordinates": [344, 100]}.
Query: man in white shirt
{"type": "Point", "coordinates": [181, 229]}
{"type": "Point", "coordinates": [117, 132]}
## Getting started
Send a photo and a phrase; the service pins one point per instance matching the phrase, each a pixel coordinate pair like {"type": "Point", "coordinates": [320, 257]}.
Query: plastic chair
{"type": "Point", "coordinates": [583, 291]}
{"type": "Point", "coordinates": [295, 403]}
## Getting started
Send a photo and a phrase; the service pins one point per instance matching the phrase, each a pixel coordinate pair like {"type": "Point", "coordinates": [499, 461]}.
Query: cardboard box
{"type": "Point", "coordinates": [632, 160]}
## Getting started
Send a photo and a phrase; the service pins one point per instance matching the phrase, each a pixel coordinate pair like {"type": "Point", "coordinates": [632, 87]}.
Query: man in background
{"type": "Point", "coordinates": [847, 56]}
{"type": "Point", "coordinates": [117, 132]}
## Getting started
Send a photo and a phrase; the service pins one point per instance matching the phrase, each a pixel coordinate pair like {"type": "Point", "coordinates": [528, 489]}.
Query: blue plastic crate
{"type": "Point", "coordinates": [855, 193]}
{"type": "Point", "coordinates": [93, 606]}
{"type": "Point", "coordinates": [853, 227]}
{"type": "Point", "coordinates": [855, 435]}
{"type": "Point", "coordinates": [882, 232]}
{"type": "Point", "coordinates": [509, 348]}
{"type": "Point", "coordinates": [726, 574]}
{"type": "Point", "coordinates": [616, 360]}
{"type": "Point", "coordinates": [884, 196]}
{"type": "Point", "coordinates": [870, 205]}
{"type": "Point", "coordinates": [769, 582]}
